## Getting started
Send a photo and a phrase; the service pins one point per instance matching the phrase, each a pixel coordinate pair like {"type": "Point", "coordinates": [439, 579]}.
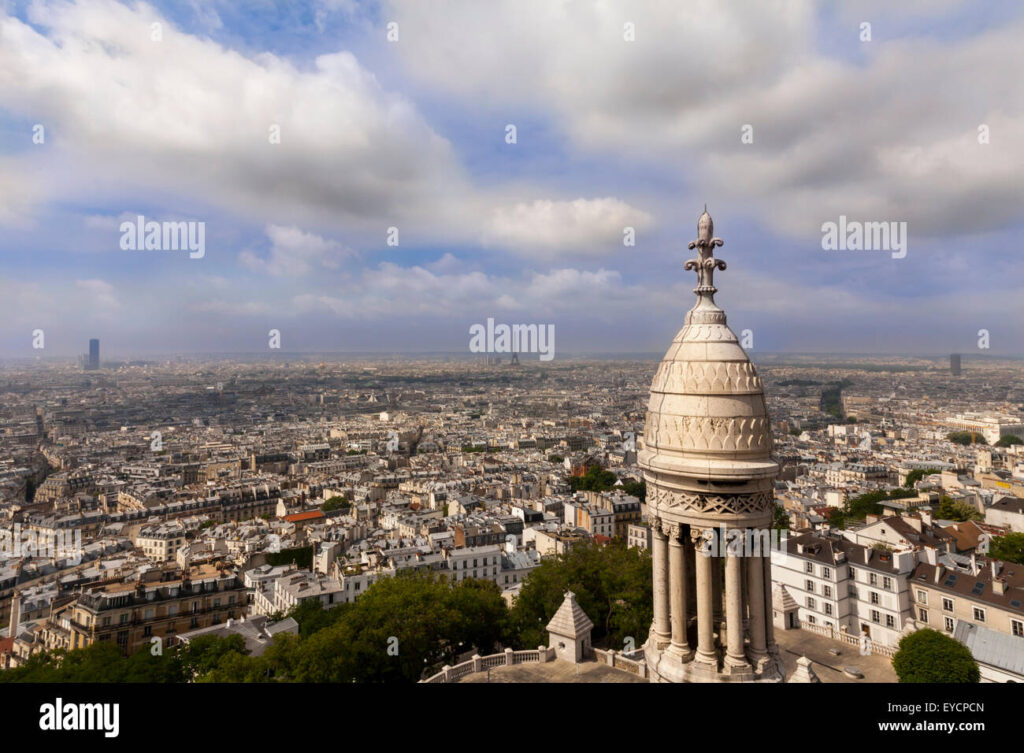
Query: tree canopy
{"type": "Point", "coordinates": [930, 656]}
{"type": "Point", "coordinates": [952, 509]}
{"type": "Point", "coordinates": [1008, 548]}
{"type": "Point", "coordinates": [966, 437]}
{"type": "Point", "coordinates": [399, 629]}
{"type": "Point", "coordinates": [613, 585]}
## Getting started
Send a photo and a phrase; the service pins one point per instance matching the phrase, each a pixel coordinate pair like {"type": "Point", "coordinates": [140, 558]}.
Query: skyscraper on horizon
{"type": "Point", "coordinates": [954, 364]}
{"type": "Point", "coordinates": [93, 362]}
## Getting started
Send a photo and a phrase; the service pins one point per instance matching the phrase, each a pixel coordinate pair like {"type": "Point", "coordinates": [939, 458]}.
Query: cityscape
{"type": "Point", "coordinates": [526, 345]}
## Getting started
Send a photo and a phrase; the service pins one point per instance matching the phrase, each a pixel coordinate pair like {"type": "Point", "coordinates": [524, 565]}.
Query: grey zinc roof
{"type": "Point", "coordinates": [990, 647]}
{"type": "Point", "coordinates": [570, 620]}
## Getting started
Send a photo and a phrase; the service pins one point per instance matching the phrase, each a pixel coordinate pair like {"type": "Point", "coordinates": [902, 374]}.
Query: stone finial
{"type": "Point", "coordinates": [706, 263]}
{"type": "Point", "coordinates": [804, 671]}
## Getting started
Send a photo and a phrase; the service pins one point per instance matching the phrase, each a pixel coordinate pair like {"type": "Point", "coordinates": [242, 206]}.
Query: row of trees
{"type": "Point", "coordinates": [400, 630]}
{"type": "Point", "coordinates": [966, 437]}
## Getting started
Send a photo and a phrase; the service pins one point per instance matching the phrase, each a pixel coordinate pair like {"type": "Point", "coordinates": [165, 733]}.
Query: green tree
{"type": "Point", "coordinates": [966, 437]}
{"type": "Point", "coordinates": [312, 617]}
{"type": "Point", "coordinates": [952, 509]}
{"type": "Point", "coordinates": [1008, 440]}
{"type": "Point", "coordinates": [596, 479]}
{"type": "Point", "coordinates": [301, 556]}
{"type": "Point", "coordinates": [613, 585]}
{"type": "Point", "coordinates": [930, 656]}
{"type": "Point", "coordinates": [336, 503]}
{"type": "Point", "coordinates": [1008, 548]}
{"type": "Point", "coordinates": [202, 654]}
{"type": "Point", "coordinates": [636, 489]}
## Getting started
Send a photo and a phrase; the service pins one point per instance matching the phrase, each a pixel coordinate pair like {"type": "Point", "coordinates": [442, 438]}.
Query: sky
{"type": "Point", "coordinates": [352, 169]}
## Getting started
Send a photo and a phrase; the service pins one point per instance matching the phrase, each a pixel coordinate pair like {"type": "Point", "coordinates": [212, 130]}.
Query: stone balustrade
{"type": "Point", "coordinates": [852, 640]}
{"type": "Point", "coordinates": [483, 663]}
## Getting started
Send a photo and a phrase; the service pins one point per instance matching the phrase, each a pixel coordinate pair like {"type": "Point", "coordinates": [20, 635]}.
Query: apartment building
{"type": "Point", "coordinates": [474, 562]}
{"type": "Point", "coordinates": [593, 519]}
{"type": "Point", "coordinates": [160, 603]}
{"type": "Point", "coordinates": [989, 593]}
{"type": "Point", "coordinates": [639, 535]}
{"type": "Point", "coordinates": [161, 542]}
{"type": "Point", "coordinates": [847, 586]}
{"type": "Point", "coordinates": [1007, 512]}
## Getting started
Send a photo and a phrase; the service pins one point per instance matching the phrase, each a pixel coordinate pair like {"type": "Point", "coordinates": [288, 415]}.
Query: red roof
{"type": "Point", "coordinates": [300, 516]}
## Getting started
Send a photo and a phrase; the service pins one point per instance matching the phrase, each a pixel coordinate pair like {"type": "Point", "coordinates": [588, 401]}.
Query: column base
{"type": "Point", "coordinates": [684, 653]}
{"type": "Point", "coordinates": [666, 665]}
{"type": "Point", "coordinates": [662, 640]}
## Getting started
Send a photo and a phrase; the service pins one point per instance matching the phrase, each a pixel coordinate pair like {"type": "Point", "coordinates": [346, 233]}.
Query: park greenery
{"type": "Point", "coordinates": [832, 398]}
{"type": "Point", "coordinates": [402, 629]}
{"type": "Point", "coordinates": [1009, 439]}
{"type": "Point", "coordinates": [966, 437]}
{"type": "Point", "coordinates": [930, 656]}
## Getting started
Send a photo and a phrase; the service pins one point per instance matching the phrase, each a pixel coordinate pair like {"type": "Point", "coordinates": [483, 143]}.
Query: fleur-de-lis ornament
{"type": "Point", "coordinates": [706, 264]}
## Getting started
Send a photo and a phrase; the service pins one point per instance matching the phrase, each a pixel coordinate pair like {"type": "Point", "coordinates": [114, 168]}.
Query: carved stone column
{"type": "Point", "coordinates": [718, 618]}
{"type": "Point", "coordinates": [735, 656]}
{"type": "Point", "coordinates": [659, 550]}
{"type": "Point", "coordinates": [755, 589]}
{"type": "Point", "coordinates": [768, 622]}
{"type": "Point", "coordinates": [705, 604]}
{"type": "Point", "coordinates": [677, 590]}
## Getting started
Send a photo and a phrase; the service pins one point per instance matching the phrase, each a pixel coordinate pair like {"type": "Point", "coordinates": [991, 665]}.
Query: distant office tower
{"type": "Point", "coordinates": [954, 364]}
{"type": "Point", "coordinates": [94, 355]}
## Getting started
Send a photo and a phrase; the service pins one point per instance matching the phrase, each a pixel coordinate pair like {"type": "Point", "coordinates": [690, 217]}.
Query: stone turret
{"type": "Point", "coordinates": [569, 631]}
{"type": "Point", "coordinates": [708, 466]}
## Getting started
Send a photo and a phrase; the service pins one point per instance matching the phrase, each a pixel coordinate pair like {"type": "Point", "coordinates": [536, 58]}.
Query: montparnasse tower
{"type": "Point", "coordinates": [707, 463]}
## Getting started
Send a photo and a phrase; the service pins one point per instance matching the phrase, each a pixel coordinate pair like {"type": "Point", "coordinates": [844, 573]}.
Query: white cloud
{"type": "Point", "coordinates": [295, 253]}
{"type": "Point", "coordinates": [591, 226]}
{"type": "Point", "coordinates": [186, 116]}
{"type": "Point", "coordinates": [891, 137]}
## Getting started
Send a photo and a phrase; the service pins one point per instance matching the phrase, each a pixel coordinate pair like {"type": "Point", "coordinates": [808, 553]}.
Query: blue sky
{"type": "Point", "coordinates": [410, 134]}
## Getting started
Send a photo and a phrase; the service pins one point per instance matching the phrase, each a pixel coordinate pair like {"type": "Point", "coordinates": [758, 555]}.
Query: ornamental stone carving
{"type": "Point", "coordinates": [722, 504]}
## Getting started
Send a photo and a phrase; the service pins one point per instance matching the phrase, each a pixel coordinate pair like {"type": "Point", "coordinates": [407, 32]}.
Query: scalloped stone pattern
{"type": "Point", "coordinates": [707, 378]}
{"type": "Point", "coordinates": [714, 333]}
{"type": "Point", "coordinates": [708, 433]}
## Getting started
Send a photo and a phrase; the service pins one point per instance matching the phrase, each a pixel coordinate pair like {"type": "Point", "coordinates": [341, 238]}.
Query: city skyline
{"type": "Point", "coordinates": [350, 127]}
